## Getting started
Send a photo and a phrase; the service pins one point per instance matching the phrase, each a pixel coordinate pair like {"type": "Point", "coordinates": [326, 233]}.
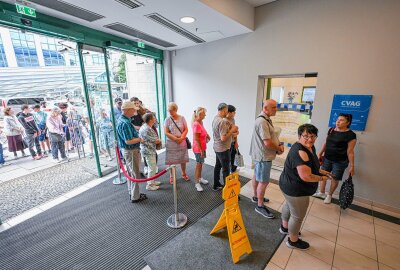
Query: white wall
{"type": "Point", "coordinates": [354, 47]}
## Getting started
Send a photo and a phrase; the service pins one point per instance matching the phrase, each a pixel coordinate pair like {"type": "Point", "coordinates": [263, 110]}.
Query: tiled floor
{"type": "Point", "coordinates": [339, 239]}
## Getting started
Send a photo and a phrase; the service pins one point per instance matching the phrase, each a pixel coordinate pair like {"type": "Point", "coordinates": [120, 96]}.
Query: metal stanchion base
{"type": "Point", "coordinates": [116, 180]}
{"type": "Point", "coordinates": [176, 224]}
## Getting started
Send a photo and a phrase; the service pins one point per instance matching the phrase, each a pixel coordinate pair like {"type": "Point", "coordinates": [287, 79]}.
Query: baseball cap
{"type": "Point", "coordinates": [222, 106]}
{"type": "Point", "coordinates": [129, 105]}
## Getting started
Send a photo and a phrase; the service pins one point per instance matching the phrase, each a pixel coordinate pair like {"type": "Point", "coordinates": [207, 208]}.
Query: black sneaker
{"type": "Point", "coordinates": [217, 188]}
{"type": "Point", "coordinates": [283, 230]}
{"type": "Point", "coordinates": [299, 244]}
{"type": "Point", "coordinates": [264, 211]}
{"type": "Point", "coordinates": [255, 200]}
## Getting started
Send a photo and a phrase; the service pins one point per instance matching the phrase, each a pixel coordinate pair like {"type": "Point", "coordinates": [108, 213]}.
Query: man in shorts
{"type": "Point", "coordinates": [264, 147]}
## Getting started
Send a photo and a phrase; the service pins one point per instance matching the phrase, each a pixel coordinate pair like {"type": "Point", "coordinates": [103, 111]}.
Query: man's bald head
{"type": "Point", "coordinates": [270, 107]}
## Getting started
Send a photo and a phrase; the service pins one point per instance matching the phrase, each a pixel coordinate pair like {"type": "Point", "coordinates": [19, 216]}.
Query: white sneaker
{"type": "Point", "coordinates": [145, 170]}
{"type": "Point", "coordinates": [4, 164]}
{"type": "Point", "coordinates": [157, 183]}
{"type": "Point", "coordinates": [198, 187]}
{"type": "Point", "coordinates": [319, 195]}
{"type": "Point", "coordinates": [203, 181]}
{"type": "Point", "coordinates": [152, 187]}
{"type": "Point", "coordinates": [328, 199]}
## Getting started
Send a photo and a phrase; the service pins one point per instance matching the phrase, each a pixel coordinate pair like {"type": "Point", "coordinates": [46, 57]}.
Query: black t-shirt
{"type": "Point", "coordinates": [137, 120]}
{"type": "Point", "coordinates": [290, 182]}
{"type": "Point", "coordinates": [336, 144]}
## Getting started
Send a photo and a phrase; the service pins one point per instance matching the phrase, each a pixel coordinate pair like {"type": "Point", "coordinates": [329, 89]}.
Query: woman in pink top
{"type": "Point", "coordinates": [200, 139]}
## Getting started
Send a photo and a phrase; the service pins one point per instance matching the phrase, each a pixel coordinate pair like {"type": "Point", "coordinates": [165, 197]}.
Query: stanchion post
{"type": "Point", "coordinates": [176, 220]}
{"type": "Point", "coordinates": [120, 179]}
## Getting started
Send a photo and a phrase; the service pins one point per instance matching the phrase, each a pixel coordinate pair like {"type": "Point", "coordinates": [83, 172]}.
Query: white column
{"type": "Point", "coordinates": [8, 47]}
{"type": "Point", "coordinates": [39, 51]}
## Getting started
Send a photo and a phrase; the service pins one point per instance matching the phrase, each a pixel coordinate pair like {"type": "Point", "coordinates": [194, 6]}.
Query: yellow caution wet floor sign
{"type": "Point", "coordinates": [232, 219]}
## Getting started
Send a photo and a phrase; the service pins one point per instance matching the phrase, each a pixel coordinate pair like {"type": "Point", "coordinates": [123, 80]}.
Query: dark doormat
{"type": "Point", "coordinates": [102, 229]}
{"type": "Point", "coordinates": [194, 248]}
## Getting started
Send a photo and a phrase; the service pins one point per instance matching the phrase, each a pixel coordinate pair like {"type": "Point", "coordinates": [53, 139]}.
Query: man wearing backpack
{"type": "Point", "coordinates": [264, 147]}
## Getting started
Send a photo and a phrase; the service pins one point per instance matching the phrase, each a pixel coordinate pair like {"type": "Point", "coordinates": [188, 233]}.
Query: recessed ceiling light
{"type": "Point", "coordinates": [187, 19]}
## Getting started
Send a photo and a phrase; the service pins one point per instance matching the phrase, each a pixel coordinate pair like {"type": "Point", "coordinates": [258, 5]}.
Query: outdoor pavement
{"type": "Point", "coordinates": [27, 183]}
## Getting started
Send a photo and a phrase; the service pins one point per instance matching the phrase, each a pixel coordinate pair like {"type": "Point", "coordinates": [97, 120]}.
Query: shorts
{"type": "Point", "coordinates": [200, 159]}
{"type": "Point", "coordinates": [262, 171]}
{"type": "Point", "coordinates": [336, 168]}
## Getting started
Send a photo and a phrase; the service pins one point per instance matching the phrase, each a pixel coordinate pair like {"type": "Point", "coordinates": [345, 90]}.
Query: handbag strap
{"type": "Point", "coordinates": [176, 125]}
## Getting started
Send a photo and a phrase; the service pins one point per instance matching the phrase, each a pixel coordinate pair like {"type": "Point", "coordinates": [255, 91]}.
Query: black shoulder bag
{"type": "Point", "coordinates": [188, 143]}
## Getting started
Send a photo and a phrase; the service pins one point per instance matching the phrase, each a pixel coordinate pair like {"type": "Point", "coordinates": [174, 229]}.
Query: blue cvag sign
{"type": "Point", "coordinates": [357, 105]}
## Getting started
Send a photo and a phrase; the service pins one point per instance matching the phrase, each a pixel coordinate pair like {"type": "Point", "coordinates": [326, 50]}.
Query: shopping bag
{"type": "Point", "coordinates": [239, 162]}
{"type": "Point", "coordinates": [346, 194]}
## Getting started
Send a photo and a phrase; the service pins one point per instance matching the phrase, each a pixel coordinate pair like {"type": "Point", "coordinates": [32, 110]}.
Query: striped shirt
{"type": "Point", "coordinates": [126, 132]}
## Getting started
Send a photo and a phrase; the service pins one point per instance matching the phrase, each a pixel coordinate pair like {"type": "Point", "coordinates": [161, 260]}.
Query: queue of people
{"type": "Point", "coordinates": [302, 170]}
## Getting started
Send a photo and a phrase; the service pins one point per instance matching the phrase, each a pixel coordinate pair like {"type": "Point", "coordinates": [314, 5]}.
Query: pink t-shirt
{"type": "Point", "coordinates": [199, 128]}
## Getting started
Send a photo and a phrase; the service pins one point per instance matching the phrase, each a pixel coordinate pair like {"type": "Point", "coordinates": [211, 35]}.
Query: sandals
{"type": "Point", "coordinates": [142, 197]}
{"type": "Point", "coordinates": [184, 176]}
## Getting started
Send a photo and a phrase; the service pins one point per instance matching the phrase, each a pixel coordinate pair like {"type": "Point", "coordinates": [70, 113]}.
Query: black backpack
{"type": "Point", "coordinates": [346, 194]}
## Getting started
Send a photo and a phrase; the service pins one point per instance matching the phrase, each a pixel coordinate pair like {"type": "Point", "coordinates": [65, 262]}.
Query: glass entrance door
{"type": "Point", "coordinates": [98, 101]}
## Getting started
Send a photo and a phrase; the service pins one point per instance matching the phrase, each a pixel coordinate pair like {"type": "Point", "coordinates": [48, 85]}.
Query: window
{"type": "Point", "coordinates": [98, 59]}
{"type": "Point", "coordinates": [24, 48]}
{"type": "Point", "coordinates": [3, 59]}
{"type": "Point", "coordinates": [51, 54]}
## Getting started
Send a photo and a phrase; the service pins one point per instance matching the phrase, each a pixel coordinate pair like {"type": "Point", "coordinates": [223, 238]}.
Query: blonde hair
{"type": "Point", "coordinates": [173, 106]}
{"type": "Point", "coordinates": [197, 112]}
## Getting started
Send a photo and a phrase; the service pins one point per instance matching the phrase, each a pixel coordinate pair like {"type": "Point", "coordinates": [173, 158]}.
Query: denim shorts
{"type": "Point", "coordinates": [336, 168]}
{"type": "Point", "coordinates": [262, 171]}
{"type": "Point", "coordinates": [200, 159]}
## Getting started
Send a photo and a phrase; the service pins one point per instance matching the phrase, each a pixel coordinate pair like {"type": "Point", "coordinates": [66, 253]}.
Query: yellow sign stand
{"type": "Point", "coordinates": [232, 219]}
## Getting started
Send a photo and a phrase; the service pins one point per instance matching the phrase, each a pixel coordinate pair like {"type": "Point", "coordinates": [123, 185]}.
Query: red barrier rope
{"type": "Point", "coordinates": [131, 178]}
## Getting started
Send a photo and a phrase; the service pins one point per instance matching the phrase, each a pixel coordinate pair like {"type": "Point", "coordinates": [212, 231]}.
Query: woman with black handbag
{"type": "Point", "coordinates": [177, 145]}
{"type": "Point", "coordinates": [337, 154]}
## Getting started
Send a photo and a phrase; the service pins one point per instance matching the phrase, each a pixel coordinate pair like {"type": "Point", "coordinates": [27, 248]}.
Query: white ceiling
{"type": "Point", "coordinates": [210, 25]}
{"type": "Point", "coordinates": [257, 3]}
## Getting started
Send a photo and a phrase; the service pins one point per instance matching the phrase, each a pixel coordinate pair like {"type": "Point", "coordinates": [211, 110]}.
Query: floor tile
{"type": "Point", "coordinates": [272, 266]}
{"type": "Point", "coordinates": [346, 259]}
{"type": "Point", "coordinates": [387, 236]}
{"type": "Point", "coordinates": [328, 212]}
{"type": "Point", "coordinates": [301, 260]}
{"type": "Point", "coordinates": [386, 224]}
{"type": "Point", "coordinates": [274, 195]}
{"type": "Point", "coordinates": [273, 205]}
{"type": "Point", "coordinates": [384, 267]}
{"type": "Point", "coordinates": [388, 255]}
{"type": "Point", "coordinates": [282, 255]}
{"type": "Point", "coordinates": [357, 242]}
{"type": "Point", "coordinates": [353, 213]}
{"type": "Point", "coordinates": [321, 227]}
{"type": "Point", "coordinates": [357, 225]}
{"type": "Point", "coordinates": [320, 248]}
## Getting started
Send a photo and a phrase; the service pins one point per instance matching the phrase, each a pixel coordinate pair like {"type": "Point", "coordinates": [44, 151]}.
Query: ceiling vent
{"type": "Point", "coordinates": [69, 9]}
{"type": "Point", "coordinates": [130, 3]}
{"type": "Point", "coordinates": [174, 27]}
{"type": "Point", "coordinates": [122, 28]}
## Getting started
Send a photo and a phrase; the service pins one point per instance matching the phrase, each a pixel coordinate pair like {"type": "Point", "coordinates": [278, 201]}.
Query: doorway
{"type": "Point", "coordinates": [295, 95]}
